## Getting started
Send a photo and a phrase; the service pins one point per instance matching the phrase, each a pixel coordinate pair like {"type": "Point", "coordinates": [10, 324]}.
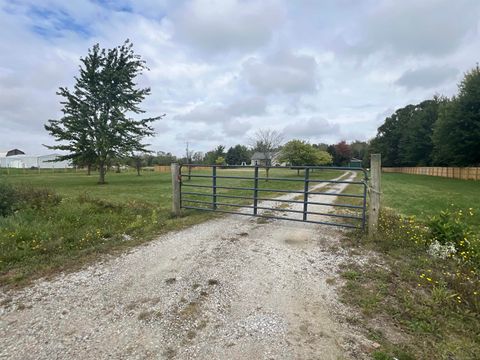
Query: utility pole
{"type": "Point", "coordinates": [189, 160]}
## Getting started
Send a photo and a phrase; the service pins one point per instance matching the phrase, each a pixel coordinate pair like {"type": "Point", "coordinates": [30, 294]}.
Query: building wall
{"type": "Point", "coordinates": [27, 162]}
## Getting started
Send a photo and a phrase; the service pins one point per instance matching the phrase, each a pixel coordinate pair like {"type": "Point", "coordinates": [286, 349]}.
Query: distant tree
{"type": "Point", "coordinates": [358, 149]}
{"type": "Point", "coordinates": [415, 146]}
{"type": "Point", "coordinates": [343, 153]}
{"type": "Point", "coordinates": [456, 135]}
{"type": "Point", "coordinates": [266, 142]}
{"type": "Point", "coordinates": [163, 158]}
{"type": "Point", "coordinates": [197, 157]}
{"type": "Point", "coordinates": [237, 155]}
{"type": "Point", "coordinates": [137, 161]}
{"type": "Point", "coordinates": [95, 120]}
{"type": "Point", "coordinates": [300, 153]}
{"type": "Point", "coordinates": [211, 156]}
{"type": "Point", "coordinates": [321, 146]}
{"type": "Point", "coordinates": [220, 160]}
{"type": "Point", "coordinates": [323, 158]}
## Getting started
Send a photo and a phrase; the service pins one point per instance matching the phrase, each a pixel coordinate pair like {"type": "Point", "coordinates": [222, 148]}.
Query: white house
{"type": "Point", "coordinates": [259, 158]}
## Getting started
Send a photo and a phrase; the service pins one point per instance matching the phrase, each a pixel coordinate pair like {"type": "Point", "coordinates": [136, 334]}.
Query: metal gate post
{"type": "Point", "coordinates": [364, 210]}
{"type": "Point", "coordinates": [214, 187]}
{"type": "Point", "coordinates": [374, 206]}
{"type": "Point", "coordinates": [255, 190]}
{"type": "Point", "coordinates": [305, 195]}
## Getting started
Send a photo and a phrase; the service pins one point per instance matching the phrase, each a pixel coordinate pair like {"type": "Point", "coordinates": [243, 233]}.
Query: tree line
{"type": "Point", "coordinates": [440, 131]}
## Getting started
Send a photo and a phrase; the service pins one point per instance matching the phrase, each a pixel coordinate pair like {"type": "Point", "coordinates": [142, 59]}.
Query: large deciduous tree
{"type": "Point", "coordinates": [343, 153]}
{"type": "Point", "coordinates": [96, 123]}
{"type": "Point", "coordinates": [299, 152]}
{"type": "Point", "coordinates": [267, 143]}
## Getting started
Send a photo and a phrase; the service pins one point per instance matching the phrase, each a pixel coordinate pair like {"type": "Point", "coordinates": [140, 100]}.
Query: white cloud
{"type": "Point", "coordinates": [282, 72]}
{"type": "Point", "coordinates": [313, 128]}
{"type": "Point", "coordinates": [427, 27]}
{"type": "Point", "coordinates": [427, 77]}
{"type": "Point", "coordinates": [215, 26]}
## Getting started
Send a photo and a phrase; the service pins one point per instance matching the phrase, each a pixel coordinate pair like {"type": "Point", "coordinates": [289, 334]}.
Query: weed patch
{"type": "Point", "coordinates": [433, 300]}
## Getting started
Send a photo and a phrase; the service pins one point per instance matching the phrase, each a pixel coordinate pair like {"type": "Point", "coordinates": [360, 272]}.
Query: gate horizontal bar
{"type": "Point", "coordinates": [270, 199]}
{"type": "Point", "coordinates": [275, 217]}
{"type": "Point", "coordinates": [278, 179]}
{"type": "Point", "coordinates": [271, 190]}
{"type": "Point", "coordinates": [334, 194]}
{"type": "Point", "coordinates": [274, 209]}
{"type": "Point", "coordinates": [225, 167]}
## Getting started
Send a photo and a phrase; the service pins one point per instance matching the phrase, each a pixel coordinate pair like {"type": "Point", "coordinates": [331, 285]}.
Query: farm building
{"type": "Point", "coordinates": [17, 159]}
{"type": "Point", "coordinates": [355, 163]}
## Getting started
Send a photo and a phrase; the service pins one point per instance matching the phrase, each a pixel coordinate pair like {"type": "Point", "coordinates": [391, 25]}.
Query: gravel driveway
{"type": "Point", "coordinates": [229, 288]}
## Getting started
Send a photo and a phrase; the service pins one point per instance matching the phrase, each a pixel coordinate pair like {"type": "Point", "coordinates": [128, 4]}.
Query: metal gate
{"type": "Point", "coordinates": [304, 193]}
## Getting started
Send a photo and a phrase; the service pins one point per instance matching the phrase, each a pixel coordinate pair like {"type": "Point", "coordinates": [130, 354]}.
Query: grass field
{"type": "Point", "coordinates": [95, 219]}
{"type": "Point", "coordinates": [424, 196]}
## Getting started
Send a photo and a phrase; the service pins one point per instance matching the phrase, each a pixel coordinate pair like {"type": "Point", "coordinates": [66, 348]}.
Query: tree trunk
{"type": "Point", "coordinates": [101, 168]}
{"type": "Point", "coordinates": [118, 168]}
{"type": "Point", "coordinates": [267, 169]}
{"type": "Point", "coordinates": [89, 169]}
{"type": "Point", "coordinates": [138, 170]}
{"type": "Point", "coordinates": [298, 172]}
{"type": "Point", "coordinates": [189, 173]}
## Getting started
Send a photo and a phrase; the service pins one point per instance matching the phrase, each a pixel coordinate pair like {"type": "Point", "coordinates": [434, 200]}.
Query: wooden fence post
{"type": "Point", "coordinates": [175, 189]}
{"type": "Point", "coordinates": [374, 204]}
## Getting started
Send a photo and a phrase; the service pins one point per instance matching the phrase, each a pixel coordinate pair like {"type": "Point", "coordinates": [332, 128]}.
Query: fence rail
{"type": "Point", "coordinates": [167, 168]}
{"type": "Point", "coordinates": [463, 173]}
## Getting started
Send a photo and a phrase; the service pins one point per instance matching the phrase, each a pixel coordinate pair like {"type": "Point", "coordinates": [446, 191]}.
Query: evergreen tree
{"type": "Point", "coordinates": [95, 125]}
{"type": "Point", "coordinates": [415, 145]}
{"type": "Point", "coordinates": [237, 155]}
{"type": "Point", "coordinates": [456, 134]}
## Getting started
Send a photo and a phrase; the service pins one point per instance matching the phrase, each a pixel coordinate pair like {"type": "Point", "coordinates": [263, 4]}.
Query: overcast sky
{"type": "Point", "coordinates": [320, 70]}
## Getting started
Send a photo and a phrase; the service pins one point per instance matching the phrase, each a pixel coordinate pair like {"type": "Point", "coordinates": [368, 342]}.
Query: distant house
{"type": "Point", "coordinates": [259, 158]}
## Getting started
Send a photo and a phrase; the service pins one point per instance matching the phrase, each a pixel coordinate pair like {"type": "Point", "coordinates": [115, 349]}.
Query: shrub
{"type": "Point", "coordinates": [22, 197]}
{"type": "Point", "coordinates": [36, 198]}
{"type": "Point", "coordinates": [8, 199]}
{"type": "Point", "coordinates": [450, 228]}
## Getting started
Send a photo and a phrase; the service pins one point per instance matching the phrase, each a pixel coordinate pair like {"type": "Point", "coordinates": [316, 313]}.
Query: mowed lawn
{"type": "Point", "coordinates": [424, 196]}
{"type": "Point", "coordinates": [93, 219]}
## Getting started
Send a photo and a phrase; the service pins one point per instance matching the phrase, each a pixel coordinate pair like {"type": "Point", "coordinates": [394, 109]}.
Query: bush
{"type": "Point", "coordinates": [36, 198]}
{"type": "Point", "coordinates": [8, 199]}
{"type": "Point", "coordinates": [17, 198]}
{"type": "Point", "coordinates": [450, 229]}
